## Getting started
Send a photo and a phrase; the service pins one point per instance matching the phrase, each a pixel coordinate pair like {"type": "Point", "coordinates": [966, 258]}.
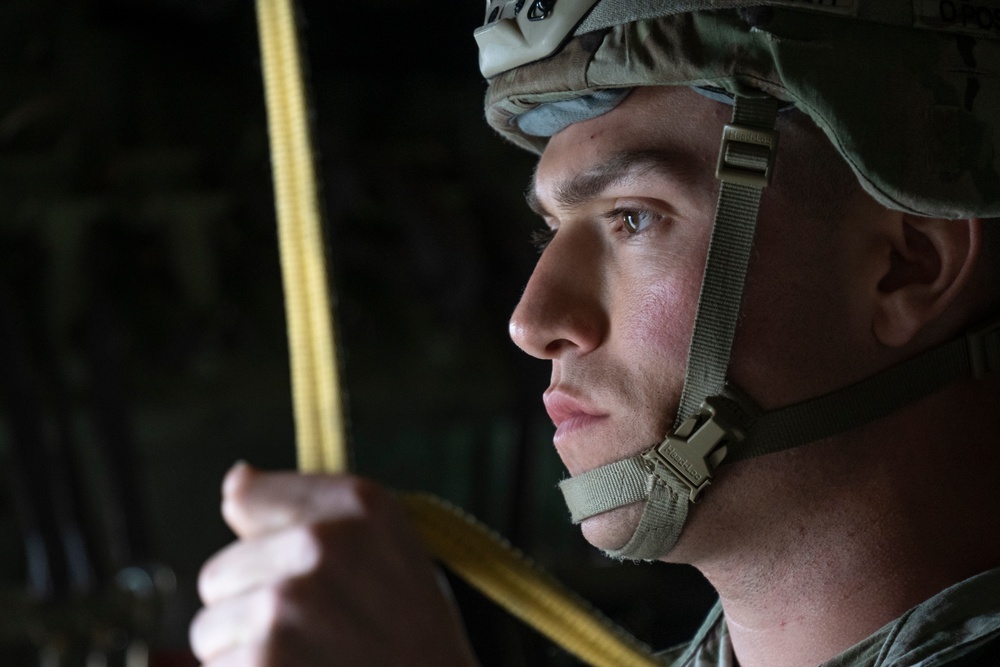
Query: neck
{"type": "Point", "coordinates": [815, 604]}
{"type": "Point", "coordinates": [850, 535]}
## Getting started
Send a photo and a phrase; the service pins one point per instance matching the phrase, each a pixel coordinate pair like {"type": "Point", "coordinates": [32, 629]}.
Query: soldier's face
{"type": "Point", "coordinates": [630, 197]}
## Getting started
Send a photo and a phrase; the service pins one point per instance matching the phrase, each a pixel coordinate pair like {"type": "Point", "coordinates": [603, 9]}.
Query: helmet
{"type": "Point", "coordinates": [918, 128]}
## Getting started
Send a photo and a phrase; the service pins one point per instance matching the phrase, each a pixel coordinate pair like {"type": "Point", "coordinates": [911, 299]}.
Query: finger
{"type": "Point", "coordinates": [255, 503]}
{"type": "Point", "coordinates": [269, 654]}
{"type": "Point", "coordinates": [247, 655]}
{"type": "Point", "coordinates": [247, 620]}
{"type": "Point", "coordinates": [228, 625]}
{"type": "Point", "coordinates": [246, 565]}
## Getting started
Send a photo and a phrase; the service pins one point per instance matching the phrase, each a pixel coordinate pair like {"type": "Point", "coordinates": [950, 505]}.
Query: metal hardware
{"type": "Point", "coordinates": [979, 342]}
{"type": "Point", "coordinates": [760, 140]}
{"type": "Point", "coordinates": [693, 451]}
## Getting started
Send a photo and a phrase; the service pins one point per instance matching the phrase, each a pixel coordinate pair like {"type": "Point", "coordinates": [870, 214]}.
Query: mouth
{"type": "Point", "coordinates": [570, 415]}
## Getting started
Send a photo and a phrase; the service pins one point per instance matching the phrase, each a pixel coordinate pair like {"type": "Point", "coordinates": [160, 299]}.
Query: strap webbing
{"type": "Point", "coordinates": [605, 488]}
{"type": "Point", "coordinates": [661, 523]}
{"type": "Point", "coordinates": [617, 484]}
{"type": "Point", "coordinates": [969, 356]}
{"type": "Point", "coordinates": [726, 265]}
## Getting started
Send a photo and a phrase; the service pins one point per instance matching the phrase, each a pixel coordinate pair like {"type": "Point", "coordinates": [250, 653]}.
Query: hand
{"type": "Point", "coordinates": [326, 571]}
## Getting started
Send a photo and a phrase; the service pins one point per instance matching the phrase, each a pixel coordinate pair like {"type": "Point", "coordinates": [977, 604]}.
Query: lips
{"type": "Point", "coordinates": [570, 415]}
{"type": "Point", "coordinates": [562, 407]}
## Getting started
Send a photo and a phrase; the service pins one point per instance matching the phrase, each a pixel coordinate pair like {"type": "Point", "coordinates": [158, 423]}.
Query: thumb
{"type": "Point", "coordinates": [245, 507]}
{"type": "Point", "coordinates": [256, 503]}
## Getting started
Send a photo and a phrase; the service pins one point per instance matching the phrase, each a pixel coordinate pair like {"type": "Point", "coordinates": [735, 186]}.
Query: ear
{"type": "Point", "coordinates": [929, 263]}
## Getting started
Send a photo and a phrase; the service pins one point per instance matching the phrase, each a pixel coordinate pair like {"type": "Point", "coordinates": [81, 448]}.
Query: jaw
{"type": "Point", "coordinates": [613, 529]}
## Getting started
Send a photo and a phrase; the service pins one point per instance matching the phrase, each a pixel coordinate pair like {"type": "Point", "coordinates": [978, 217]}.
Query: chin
{"type": "Point", "coordinates": [612, 530]}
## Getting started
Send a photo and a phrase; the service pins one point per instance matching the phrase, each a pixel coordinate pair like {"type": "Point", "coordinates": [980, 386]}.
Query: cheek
{"type": "Point", "coordinates": [650, 329]}
{"type": "Point", "coordinates": [653, 326]}
{"type": "Point", "coordinates": [651, 317]}
{"type": "Point", "coordinates": [803, 328]}
{"type": "Point", "coordinates": [655, 313]}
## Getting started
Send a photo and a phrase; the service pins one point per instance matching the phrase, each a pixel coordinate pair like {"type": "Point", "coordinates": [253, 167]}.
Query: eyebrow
{"type": "Point", "coordinates": [617, 169]}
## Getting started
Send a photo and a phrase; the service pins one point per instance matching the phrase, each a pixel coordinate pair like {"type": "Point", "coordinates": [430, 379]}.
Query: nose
{"type": "Point", "coordinates": [562, 309]}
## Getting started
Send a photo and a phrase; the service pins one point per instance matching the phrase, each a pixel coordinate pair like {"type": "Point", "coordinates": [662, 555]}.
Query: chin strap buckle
{"type": "Point", "coordinates": [697, 446]}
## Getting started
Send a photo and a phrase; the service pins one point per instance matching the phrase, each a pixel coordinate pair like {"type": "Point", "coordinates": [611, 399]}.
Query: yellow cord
{"type": "Point", "coordinates": [502, 573]}
{"type": "Point", "coordinates": [466, 547]}
{"type": "Point", "coordinates": [319, 424]}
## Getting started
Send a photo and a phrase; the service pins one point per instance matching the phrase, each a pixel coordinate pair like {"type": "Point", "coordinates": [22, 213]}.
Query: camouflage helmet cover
{"type": "Point", "coordinates": [913, 108]}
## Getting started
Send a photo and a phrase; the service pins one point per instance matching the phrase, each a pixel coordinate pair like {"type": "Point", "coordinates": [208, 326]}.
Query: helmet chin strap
{"type": "Point", "coordinates": [671, 475]}
{"type": "Point", "coordinates": [714, 421]}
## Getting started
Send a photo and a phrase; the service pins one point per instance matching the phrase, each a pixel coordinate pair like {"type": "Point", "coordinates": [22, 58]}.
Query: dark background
{"type": "Point", "coordinates": [142, 342]}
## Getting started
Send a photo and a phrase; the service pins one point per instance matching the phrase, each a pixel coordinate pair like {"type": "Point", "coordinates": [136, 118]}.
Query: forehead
{"type": "Point", "coordinates": [674, 132]}
{"type": "Point", "coordinates": [683, 129]}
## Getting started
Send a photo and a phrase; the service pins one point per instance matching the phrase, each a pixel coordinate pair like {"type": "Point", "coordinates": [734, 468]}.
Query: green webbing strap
{"type": "Point", "coordinates": [728, 257]}
{"type": "Point", "coordinates": [605, 488]}
{"type": "Point", "coordinates": [662, 520]}
{"type": "Point", "coordinates": [970, 356]}
{"type": "Point", "coordinates": [747, 153]}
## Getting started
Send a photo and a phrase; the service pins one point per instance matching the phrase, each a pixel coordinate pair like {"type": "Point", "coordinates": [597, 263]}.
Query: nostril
{"type": "Point", "coordinates": [557, 347]}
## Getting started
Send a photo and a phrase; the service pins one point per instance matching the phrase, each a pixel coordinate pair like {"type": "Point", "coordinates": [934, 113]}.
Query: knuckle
{"type": "Point", "coordinates": [196, 635]}
{"type": "Point", "coordinates": [369, 498]}
{"type": "Point", "coordinates": [333, 545]}
{"type": "Point", "coordinates": [254, 655]}
{"type": "Point", "coordinates": [206, 581]}
{"type": "Point", "coordinates": [275, 603]}
{"type": "Point", "coordinates": [313, 544]}
{"type": "Point", "coordinates": [280, 628]}
{"type": "Point", "coordinates": [276, 651]}
{"type": "Point", "coordinates": [213, 576]}
{"type": "Point", "coordinates": [283, 602]}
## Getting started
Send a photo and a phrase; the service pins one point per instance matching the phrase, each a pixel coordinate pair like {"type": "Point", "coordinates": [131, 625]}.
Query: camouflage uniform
{"type": "Point", "coordinates": [959, 627]}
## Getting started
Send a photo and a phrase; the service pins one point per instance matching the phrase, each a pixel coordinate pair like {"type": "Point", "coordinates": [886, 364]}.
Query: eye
{"type": "Point", "coordinates": [635, 220]}
{"type": "Point", "coordinates": [540, 238]}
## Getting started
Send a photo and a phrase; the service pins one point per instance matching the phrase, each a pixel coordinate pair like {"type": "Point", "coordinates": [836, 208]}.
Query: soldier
{"type": "Point", "coordinates": [814, 326]}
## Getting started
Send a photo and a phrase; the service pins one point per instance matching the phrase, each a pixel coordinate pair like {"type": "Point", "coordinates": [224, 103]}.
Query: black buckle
{"type": "Point", "coordinates": [697, 447]}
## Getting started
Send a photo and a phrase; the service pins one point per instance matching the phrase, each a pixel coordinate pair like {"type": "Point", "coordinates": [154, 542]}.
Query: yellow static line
{"type": "Point", "coordinates": [319, 424]}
